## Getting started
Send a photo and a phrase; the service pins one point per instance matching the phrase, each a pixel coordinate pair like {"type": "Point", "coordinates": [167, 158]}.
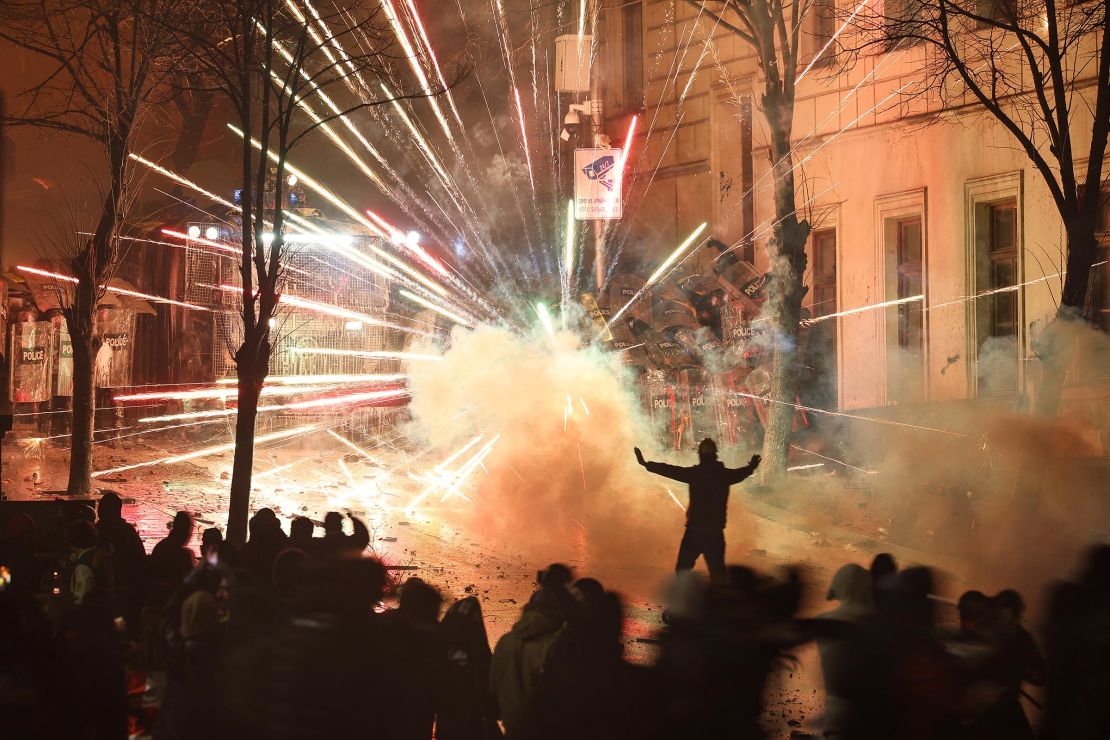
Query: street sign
{"type": "Point", "coordinates": [597, 185]}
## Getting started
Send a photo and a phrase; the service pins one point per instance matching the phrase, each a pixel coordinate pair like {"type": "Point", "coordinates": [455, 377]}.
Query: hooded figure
{"type": "Point", "coordinates": [709, 483]}
{"type": "Point", "coordinates": [851, 586]}
{"type": "Point", "coordinates": [520, 657]}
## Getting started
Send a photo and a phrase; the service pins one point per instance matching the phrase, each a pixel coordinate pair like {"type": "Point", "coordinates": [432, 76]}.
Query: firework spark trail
{"type": "Point", "coordinates": [860, 309]}
{"type": "Point", "coordinates": [109, 288]}
{"type": "Point", "coordinates": [358, 450]}
{"type": "Point", "coordinates": [333, 310]}
{"type": "Point", "coordinates": [324, 378]}
{"type": "Point", "coordinates": [434, 62]}
{"type": "Point", "coordinates": [366, 93]}
{"type": "Point", "coordinates": [830, 42]}
{"type": "Point", "coordinates": [843, 102]}
{"type": "Point", "coordinates": [284, 434]}
{"type": "Point", "coordinates": [371, 354]}
{"type": "Point", "coordinates": [621, 163]}
{"type": "Point", "coordinates": [315, 237]}
{"type": "Point", "coordinates": [412, 245]}
{"type": "Point", "coordinates": [805, 467]}
{"type": "Point", "coordinates": [887, 61]}
{"type": "Point", "coordinates": [674, 498]}
{"type": "Point", "coordinates": [460, 476]}
{"type": "Point", "coordinates": [830, 459]}
{"type": "Point", "coordinates": [183, 181]}
{"type": "Point", "coordinates": [659, 271]}
{"type": "Point", "coordinates": [952, 302]}
{"type": "Point", "coordinates": [206, 193]}
{"type": "Point", "coordinates": [346, 473]}
{"type": "Point", "coordinates": [437, 308]}
{"type": "Point", "coordinates": [568, 256]}
{"type": "Point", "coordinates": [347, 209]}
{"type": "Point", "coordinates": [582, 469]}
{"type": "Point", "coordinates": [885, 422]}
{"type": "Point", "coordinates": [363, 91]}
{"type": "Point", "coordinates": [764, 226]}
{"type": "Point", "coordinates": [206, 242]}
{"type": "Point", "coordinates": [457, 280]}
{"type": "Point", "coordinates": [318, 90]}
{"type": "Point", "coordinates": [330, 310]}
{"type": "Point", "coordinates": [524, 139]}
{"type": "Point", "coordinates": [500, 25]}
{"type": "Point", "coordinates": [450, 186]}
{"type": "Point", "coordinates": [279, 468]}
{"type": "Point", "coordinates": [676, 67]}
{"type": "Point", "coordinates": [315, 403]}
{"type": "Point", "coordinates": [331, 133]}
{"type": "Point", "coordinates": [414, 63]}
{"type": "Point", "coordinates": [545, 319]}
{"type": "Point", "coordinates": [350, 125]}
{"type": "Point", "coordinates": [441, 476]}
{"type": "Point", "coordinates": [219, 393]}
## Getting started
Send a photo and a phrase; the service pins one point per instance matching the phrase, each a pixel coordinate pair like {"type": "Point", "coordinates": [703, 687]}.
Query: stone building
{"type": "Point", "coordinates": [907, 197]}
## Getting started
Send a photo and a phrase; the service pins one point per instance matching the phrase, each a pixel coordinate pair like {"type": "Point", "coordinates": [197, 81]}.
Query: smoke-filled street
{"type": "Point", "coordinates": [555, 369]}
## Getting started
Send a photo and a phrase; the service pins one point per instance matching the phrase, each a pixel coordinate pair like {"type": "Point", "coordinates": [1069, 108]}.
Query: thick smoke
{"type": "Point", "coordinates": [546, 486]}
{"type": "Point", "coordinates": [980, 489]}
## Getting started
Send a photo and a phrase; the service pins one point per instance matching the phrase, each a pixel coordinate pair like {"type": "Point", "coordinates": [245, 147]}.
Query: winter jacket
{"type": "Point", "coordinates": [518, 663]}
{"type": "Point", "coordinates": [709, 482]}
{"type": "Point", "coordinates": [841, 663]}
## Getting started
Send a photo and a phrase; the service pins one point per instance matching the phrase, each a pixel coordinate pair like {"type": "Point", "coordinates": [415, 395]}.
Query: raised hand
{"type": "Point", "coordinates": [754, 462]}
{"type": "Point", "coordinates": [639, 456]}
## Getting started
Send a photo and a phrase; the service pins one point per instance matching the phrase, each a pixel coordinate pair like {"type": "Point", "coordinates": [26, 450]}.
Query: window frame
{"type": "Point", "coordinates": [981, 194]}
{"type": "Point", "coordinates": [890, 211]}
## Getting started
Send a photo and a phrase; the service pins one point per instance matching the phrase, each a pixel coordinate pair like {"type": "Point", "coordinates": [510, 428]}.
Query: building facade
{"type": "Point", "coordinates": [934, 237]}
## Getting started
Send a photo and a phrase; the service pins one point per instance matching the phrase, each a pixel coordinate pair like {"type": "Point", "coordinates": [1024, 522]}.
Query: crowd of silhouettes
{"type": "Point", "coordinates": [287, 637]}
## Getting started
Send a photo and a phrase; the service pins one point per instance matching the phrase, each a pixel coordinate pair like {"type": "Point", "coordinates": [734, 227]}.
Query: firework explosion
{"type": "Point", "coordinates": [519, 405]}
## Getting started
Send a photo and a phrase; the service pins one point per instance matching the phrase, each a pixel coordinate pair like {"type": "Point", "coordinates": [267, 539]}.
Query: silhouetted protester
{"type": "Point", "coordinates": [1077, 650]}
{"type": "Point", "coordinates": [191, 708]}
{"type": "Point", "coordinates": [18, 547]}
{"type": "Point", "coordinates": [266, 541]}
{"type": "Point", "coordinates": [90, 571]}
{"type": "Point", "coordinates": [300, 533]}
{"type": "Point", "coordinates": [319, 673]}
{"type": "Point", "coordinates": [521, 654]}
{"type": "Point", "coordinates": [336, 544]}
{"type": "Point", "coordinates": [466, 708]}
{"type": "Point", "coordinates": [171, 559]}
{"type": "Point", "coordinates": [719, 651]}
{"type": "Point", "coordinates": [214, 548]}
{"type": "Point", "coordinates": [290, 569]}
{"type": "Point", "coordinates": [920, 693]}
{"type": "Point", "coordinates": [587, 690]}
{"type": "Point", "coordinates": [841, 665]}
{"type": "Point", "coordinates": [414, 660]}
{"type": "Point", "coordinates": [883, 566]}
{"type": "Point", "coordinates": [709, 482]}
{"type": "Point", "coordinates": [121, 544]}
{"type": "Point", "coordinates": [24, 632]}
{"type": "Point", "coordinates": [1012, 659]}
{"type": "Point", "coordinates": [90, 649]}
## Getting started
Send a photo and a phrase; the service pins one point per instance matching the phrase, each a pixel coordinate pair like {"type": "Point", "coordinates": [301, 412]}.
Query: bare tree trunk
{"type": "Point", "coordinates": [81, 333]}
{"type": "Point", "coordinates": [247, 361]}
{"type": "Point", "coordinates": [786, 250]}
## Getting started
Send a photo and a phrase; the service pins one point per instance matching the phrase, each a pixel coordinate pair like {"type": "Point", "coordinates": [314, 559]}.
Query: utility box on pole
{"type": "Point", "coordinates": [572, 63]}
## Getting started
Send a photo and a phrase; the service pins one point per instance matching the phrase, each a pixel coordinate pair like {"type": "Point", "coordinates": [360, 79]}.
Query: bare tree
{"type": "Point", "coordinates": [274, 60]}
{"type": "Point", "coordinates": [772, 28]}
{"type": "Point", "coordinates": [105, 61]}
{"type": "Point", "coordinates": [1042, 70]}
